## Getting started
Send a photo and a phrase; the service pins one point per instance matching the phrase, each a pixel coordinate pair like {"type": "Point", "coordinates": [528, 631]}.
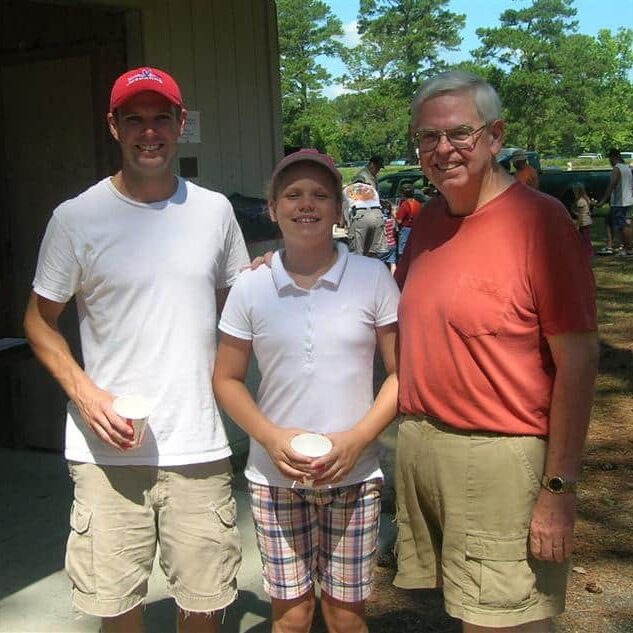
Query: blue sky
{"type": "Point", "coordinates": [592, 16]}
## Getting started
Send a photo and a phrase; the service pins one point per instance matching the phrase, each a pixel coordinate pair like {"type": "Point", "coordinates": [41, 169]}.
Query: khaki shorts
{"type": "Point", "coordinates": [464, 507]}
{"type": "Point", "coordinates": [118, 516]}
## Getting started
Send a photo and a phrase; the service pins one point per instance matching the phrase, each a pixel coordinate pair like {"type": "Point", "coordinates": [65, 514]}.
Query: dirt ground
{"type": "Point", "coordinates": [600, 593]}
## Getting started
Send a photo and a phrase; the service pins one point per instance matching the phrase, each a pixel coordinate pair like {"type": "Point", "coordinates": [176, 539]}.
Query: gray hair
{"type": "Point", "coordinates": [484, 96]}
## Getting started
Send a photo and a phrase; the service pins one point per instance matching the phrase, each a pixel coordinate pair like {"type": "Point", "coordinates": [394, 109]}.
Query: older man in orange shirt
{"type": "Point", "coordinates": [497, 361]}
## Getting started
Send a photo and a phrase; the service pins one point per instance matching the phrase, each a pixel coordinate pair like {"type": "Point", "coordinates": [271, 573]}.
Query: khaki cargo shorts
{"type": "Point", "coordinates": [464, 503]}
{"type": "Point", "coordinates": [120, 513]}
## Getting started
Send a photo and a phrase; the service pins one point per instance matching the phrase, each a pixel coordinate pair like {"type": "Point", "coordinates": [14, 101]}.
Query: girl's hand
{"type": "Point", "coordinates": [347, 447]}
{"type": "Point", "coordinates": [290, 463]}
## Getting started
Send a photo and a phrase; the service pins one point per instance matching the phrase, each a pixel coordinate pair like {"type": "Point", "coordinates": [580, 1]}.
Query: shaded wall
{"type": "Point", "coordinates": [61, 58]}
{"type": "Point", "coordinates": [226, 59]}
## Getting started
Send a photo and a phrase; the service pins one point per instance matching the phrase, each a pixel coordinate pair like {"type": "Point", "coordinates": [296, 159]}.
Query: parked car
{"type": "Point", "coordinates": [353, 163]}
{"type": "Point", "coordinates": [390, 185]}
{"type": "Point", "coordinates": [504, 157]}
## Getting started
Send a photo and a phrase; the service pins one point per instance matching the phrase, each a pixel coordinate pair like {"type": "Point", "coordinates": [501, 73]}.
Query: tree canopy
{"type": "Point", "coordinates": [563, 92]}
{"type": "Point", "coordinates": [307, 29]}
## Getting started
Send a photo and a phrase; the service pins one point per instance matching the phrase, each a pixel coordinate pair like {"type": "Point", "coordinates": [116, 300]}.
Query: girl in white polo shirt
{"type": "Point", "coordinates": [312, 320]}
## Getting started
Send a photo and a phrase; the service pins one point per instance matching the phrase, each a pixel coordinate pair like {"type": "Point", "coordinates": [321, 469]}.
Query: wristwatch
{"type": "Point", "coordinates": [558, 485]}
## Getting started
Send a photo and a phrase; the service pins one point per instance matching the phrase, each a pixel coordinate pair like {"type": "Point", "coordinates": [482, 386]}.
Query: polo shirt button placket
{"type": "Point", "coordinates": [309, 358]}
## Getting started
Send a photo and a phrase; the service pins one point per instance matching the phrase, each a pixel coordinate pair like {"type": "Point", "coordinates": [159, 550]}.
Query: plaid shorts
{"type": "Point", "coordinates": [327, 534]}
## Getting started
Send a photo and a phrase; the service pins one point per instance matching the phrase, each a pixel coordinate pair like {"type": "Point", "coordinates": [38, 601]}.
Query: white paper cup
{"type": "Point", "coordinates": [135, 410]}
{"type": "Point", "coordinates": [311, 444]}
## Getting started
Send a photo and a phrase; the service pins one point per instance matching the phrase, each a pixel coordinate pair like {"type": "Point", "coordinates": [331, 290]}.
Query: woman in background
{"type": "Point", "coordinates": [582, 213]}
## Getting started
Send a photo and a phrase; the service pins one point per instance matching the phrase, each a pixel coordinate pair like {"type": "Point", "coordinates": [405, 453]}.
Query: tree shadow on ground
{"type": "Point", "coordinates": [618, 362]}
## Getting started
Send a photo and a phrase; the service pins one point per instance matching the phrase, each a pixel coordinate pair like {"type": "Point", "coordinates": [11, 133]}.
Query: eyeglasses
{"type": "Point", "coordinates": [462, 137]}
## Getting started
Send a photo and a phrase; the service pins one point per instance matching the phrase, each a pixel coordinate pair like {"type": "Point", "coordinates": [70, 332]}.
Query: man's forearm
{"type": "Point", "coordinates": [613, 181]}
{"type": "Point", "coordinates": [570, 411]}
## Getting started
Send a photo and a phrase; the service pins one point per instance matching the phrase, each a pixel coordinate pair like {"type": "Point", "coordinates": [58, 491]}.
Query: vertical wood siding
{"type": "Point", "coordinates": [224, 54]}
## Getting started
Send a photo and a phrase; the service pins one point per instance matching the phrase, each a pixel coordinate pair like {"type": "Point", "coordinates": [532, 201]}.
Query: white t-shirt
{"type": "Point", "coordinates": [359, 195]}
{"type": "Point", "coordinates": [622, 195]}
{"type": "Point", "coordinates": [144, 277]}
{"type": "Point", "coordinates": [315, 349]}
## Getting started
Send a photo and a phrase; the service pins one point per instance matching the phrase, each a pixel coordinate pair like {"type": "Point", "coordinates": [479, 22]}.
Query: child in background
{"type": "Point", "coordinates": [582, 212]}
{"type": "Point", "coordinates": [408, 211]}
{"type": "Point", "coordinates": [389, 257]}
{"type": "Point", "coordinates": [312, 320]}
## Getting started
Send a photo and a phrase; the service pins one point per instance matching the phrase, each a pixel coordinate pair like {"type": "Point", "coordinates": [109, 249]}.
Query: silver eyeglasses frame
{"type": "Point", "coordinates": [469, 143]}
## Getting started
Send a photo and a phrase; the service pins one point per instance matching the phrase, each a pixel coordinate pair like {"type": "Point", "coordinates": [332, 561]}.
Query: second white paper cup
{"type": "Point", "coordinates": [135, 411]}
{"type": "Point", "coordinates": [311, 444]}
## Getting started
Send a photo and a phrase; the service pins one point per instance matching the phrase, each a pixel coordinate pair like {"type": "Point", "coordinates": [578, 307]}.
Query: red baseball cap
{"type": "Point", "coordinates": [140, 80]}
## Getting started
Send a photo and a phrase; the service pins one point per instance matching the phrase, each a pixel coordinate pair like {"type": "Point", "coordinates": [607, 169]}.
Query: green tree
{"type": "Point", "coordinates": [528, 45]}
{"type": "Point", "coordinates": [401, 43]}
{"type": "Point", "coordinates": [307, 29]}
{"type": "Point", "coordinates": [607, 93]}
{"type": "Point", "coordinates": [562, 90]}
{"type": "Point", "coordinates": [404, 39]}
{"type": "Point", "coordinates": [372, 122]}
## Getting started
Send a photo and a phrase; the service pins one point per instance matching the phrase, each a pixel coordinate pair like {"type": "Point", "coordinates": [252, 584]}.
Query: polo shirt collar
{"type": "Point", "coordinates": [332, 277]}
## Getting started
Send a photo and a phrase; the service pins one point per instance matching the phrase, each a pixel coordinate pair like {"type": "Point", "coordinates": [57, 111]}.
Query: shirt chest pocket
{"type": "Point", "coordinates": [477, 307]}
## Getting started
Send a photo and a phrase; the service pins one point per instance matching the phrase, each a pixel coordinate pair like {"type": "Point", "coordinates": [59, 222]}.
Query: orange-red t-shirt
{"type": "Point", "coordinates": [408, 211]}
{"type": "Point", "coordinates": [528, 176]}
{"type": "Point", "coordinates": [479, 295]}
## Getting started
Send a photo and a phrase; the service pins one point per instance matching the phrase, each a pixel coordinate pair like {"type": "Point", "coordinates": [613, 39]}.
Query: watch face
{"type": "Point", "coordinates": [556, 484]}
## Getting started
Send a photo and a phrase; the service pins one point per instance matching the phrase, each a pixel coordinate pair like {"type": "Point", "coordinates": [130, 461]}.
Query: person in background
{"type": "Point", "coordinates": [149, 258]}
{"type": "Point", "coordinates": [369, 173]}
{"type": "Point", "coordinates": [312, 319]}
{"type": "Point", "coordinates": [619, 192]}
{"type": "Point", "coordinates": [498, 354]}
{"type": "Point", "coordinates": [389, 256]}
{"type": "Point", "coordinates": [408, 210]}
{"type": "Point", "coordinates": [524, 172]}
{"type": "Point", "coordinates": [582, 213]}
{"type": "Point", "coordinates": [363, 215]}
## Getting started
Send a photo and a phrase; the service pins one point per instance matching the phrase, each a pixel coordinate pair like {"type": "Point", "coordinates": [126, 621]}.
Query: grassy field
{"type": "Point", "coordinates": [349, 172]}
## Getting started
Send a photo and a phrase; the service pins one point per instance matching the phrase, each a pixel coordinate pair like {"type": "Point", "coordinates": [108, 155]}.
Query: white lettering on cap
{"type": "Point", "coordinates": [146, 73]}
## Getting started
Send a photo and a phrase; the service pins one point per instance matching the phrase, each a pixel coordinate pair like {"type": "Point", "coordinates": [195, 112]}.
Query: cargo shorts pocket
{"type": "Point", "coordinates": [530, 452]}
{"type": "Point", "coordinates": [79, 550]}
{"type": "Point", "coordinates": [226, 518]}
{"type": "Point", "coordinates": [500, 571]}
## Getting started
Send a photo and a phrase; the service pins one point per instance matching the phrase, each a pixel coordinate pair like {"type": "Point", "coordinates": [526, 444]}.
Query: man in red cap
{"type": "Point", "coordinates": [149, 258]}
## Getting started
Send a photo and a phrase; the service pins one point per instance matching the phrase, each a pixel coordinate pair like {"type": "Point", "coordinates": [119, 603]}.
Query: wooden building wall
{"type": "Point", "coordinates": [225, 57]}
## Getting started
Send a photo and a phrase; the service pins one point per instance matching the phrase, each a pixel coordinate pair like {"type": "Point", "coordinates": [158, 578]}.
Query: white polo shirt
{"type": "Point", "coordinates": [315, 349]}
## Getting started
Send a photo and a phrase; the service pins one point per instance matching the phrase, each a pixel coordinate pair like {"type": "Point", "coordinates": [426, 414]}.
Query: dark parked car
{"type": "Point", "coordinates": [390, 185]}
{"type": "Point", "coordinates": [504, 157]}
